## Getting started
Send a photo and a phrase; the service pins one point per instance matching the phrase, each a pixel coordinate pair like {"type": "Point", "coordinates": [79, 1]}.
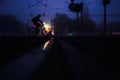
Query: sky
{"type": "Point", "coordinates": [24, 10]}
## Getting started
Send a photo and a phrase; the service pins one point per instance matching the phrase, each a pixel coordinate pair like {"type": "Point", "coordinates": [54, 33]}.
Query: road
{"type": "Point", "coordinates": [58, 61]}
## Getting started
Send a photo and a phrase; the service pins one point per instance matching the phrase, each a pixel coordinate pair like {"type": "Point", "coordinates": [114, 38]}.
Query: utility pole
{"type": "Point", "coordinates": [77, 15]}
{"type": "Point", "coordinates": [81, 6]}
{"type": "Point", "coordinates": [77, 8]}
{"type": "Point", "coordinates": [105, 3]}
{"type": "Point", "coordinates": [105, 20]}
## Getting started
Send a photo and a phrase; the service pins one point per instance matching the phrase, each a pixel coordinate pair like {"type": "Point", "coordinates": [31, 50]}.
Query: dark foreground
{"type": "Point", "coordinates": [64, 58]}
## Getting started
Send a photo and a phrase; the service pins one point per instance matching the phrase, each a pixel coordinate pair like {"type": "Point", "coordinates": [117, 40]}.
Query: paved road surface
{"type": "Point", "coordinates": [59, 61]}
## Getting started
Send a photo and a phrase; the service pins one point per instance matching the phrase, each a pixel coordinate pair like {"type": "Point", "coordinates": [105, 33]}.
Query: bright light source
{"type": "Point", "coordinates": [44, 23]}
{"type": "Point", "coordinates": [47, 28]}
{"type": "Point", "coordinates": [52, 32]}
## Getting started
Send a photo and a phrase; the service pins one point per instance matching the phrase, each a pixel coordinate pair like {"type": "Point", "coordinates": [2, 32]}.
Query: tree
{"type": "Point", "coordinates": [114, 27]}
{"type": "Point", "coordinates": [11, 26]}
{"type": "Point", "coordinates": [61, 22]}
{"type": "Point", "coordinates": [87, 25]}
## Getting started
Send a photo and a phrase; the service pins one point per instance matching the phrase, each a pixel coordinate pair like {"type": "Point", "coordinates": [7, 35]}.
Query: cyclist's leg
{"type": "Point", "coordinates": [37, 28]}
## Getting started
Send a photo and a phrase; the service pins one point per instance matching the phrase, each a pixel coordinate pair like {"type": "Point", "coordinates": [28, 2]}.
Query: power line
{"type": "Point", "coordinates": [49, 7]}
{"type": "Point", "coordinates": [30, 8]}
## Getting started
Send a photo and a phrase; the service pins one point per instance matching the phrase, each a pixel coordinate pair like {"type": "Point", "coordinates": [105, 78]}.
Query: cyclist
{"type": "Point", "coordinates": [37, 22]}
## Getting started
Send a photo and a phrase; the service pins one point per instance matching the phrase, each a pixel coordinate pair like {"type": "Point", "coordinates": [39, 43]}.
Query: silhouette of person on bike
{"type": "Point", "coordinates": [37, 22]}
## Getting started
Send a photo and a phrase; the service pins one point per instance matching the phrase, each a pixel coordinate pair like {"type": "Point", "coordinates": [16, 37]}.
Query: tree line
{"type": "Point", "coordinates": [63, 24]}
{"type": "Point", "coordinates": [10, 25]}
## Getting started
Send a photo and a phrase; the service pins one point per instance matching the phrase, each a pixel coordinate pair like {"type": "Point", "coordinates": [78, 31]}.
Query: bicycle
{"type": "Point", "coordinates": [40, 31]}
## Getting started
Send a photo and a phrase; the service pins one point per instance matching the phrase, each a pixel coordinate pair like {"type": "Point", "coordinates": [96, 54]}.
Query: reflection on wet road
{"type": "Point", "coordinates": [46, 44]}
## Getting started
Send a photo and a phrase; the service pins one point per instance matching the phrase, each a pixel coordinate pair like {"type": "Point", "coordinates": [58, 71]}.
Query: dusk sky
{"type": "Point", "coordinates": [24, 10]}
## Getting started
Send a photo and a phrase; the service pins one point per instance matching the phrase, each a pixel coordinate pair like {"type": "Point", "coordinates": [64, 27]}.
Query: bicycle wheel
{"type": "Point", "coordinates": [44, 32]}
